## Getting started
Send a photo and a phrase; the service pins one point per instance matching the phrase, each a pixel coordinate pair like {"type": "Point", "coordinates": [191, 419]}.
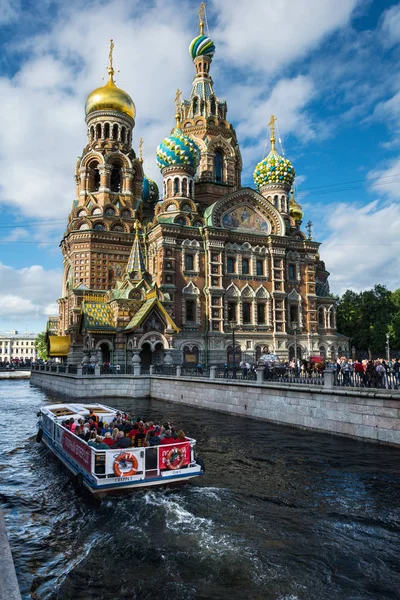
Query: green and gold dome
{"type": "Point", "coordinates": [109, 96]}
{"type": "Point", "coordinates": [274, 169]}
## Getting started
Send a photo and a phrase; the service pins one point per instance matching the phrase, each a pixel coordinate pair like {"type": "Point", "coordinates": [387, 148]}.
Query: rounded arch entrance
{"type": "Point", "coordinates": [105, 349]}
{"type": "Point", "coordinates": [299, 353]}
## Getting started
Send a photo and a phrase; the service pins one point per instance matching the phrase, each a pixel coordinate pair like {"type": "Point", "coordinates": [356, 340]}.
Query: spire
{"type": "Point", "coordinates": [141, 150]}
{"type": "Point", "coordinates": [136, 268]}
{"type": "Point", "coordinates": [271, 125]}
{"type": "Point", "coordinates": [178, 104]}
{"type": "Point", "coordinates": [202, 12]}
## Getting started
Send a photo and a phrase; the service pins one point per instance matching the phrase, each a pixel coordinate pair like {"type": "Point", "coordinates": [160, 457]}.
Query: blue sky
{"type": "Point", "coordinates": [327, 70]}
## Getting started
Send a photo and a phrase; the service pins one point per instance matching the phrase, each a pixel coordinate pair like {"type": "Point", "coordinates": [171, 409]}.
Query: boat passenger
{"type": "Point", "coordinates": [181, 436]}
{"type": "Point", "coordinates": [168, 439]}
{"type": "Point", "coordinates": [173, 432]}
{"type": "Point", "coordinates": [140, 437]}
{"type": "Point", "coordinates": [79, 432]}
{"type": "Point", "coordinates": [123, 441]}
{"type": "Point", "coordinates": [115, 433]}
{"type": "Point", "coordinates": [93, 417]}
{"type": "Point", "coordinates": [108, 439]}
{"type": "Point", "coordinates": [134, 430]}
{"type": "Point", "coordinates": [98, 443]}
{"type": "Point", "coordinates": [152, 439]}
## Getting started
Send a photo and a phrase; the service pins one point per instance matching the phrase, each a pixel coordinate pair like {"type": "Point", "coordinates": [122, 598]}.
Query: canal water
{"type": "Point", "coordinates": [280, 514]}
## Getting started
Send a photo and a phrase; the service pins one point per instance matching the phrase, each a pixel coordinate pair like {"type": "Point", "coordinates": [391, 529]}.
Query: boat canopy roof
{"type": "Point", "coordinates": [77, 411]}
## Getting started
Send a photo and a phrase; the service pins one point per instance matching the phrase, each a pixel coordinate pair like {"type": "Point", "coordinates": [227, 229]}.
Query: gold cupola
{"type": "Point", "coordinates": [109, 96]}
{"type": "Point", "coordinates": [295, 209]}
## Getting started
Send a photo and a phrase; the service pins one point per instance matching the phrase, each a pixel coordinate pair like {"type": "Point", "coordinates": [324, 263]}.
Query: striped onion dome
{"type": "Point", "coordinates": [201, 46]}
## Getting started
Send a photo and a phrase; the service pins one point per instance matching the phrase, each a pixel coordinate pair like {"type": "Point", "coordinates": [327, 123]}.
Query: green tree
{"type": "Point", "coordinates": [41, 346]}
{"type": "Point", "coordinates": [367, 316]}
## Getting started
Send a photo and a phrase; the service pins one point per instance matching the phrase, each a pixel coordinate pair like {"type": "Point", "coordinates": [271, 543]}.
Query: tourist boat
{"type": "Point", "coordinates": [112, 470]}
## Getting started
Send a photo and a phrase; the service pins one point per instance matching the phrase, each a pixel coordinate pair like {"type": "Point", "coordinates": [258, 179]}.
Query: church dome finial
{"type": "Point", "coordinates": [109, 96]}
{"type": "Point", "coordinates": [274, 169]}
{"type": "Point", "coordinates": [202, 45]}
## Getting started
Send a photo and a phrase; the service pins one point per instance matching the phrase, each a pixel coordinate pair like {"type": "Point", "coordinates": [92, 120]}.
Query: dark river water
{"type": "Point", "coordinates": [280, 514]}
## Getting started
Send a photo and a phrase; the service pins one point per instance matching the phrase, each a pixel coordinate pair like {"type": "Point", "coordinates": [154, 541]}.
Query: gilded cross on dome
{"type": "Point", "coordinates": [271, 125]}
{"type": "Point", "coordinates": [202, 12]}
{"type": "Point", "coordinates": [110, 58]}
{"type": "Point", "coordinates": [178, 104]}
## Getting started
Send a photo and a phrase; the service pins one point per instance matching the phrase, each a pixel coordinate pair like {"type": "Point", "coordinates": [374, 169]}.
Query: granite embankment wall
{"type": "Point", "coordinates": [104, 386]}
{"type": "Point", "coordinates": [363, 414]}
{"type": "Point", "coordinates": [9, 589]}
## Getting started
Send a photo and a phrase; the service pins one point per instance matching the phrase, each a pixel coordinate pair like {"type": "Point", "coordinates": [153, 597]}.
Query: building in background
{"type": "Point", "coordinates": [211, 272]}
{"type": "Point", "coordinates": [17, 347]}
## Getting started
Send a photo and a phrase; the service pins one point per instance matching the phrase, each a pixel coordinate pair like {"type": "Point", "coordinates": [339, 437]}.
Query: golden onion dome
{"type": "Point", "coordinates": [295, 210]}
{"type": "Point", "coordinates": [110, 97]}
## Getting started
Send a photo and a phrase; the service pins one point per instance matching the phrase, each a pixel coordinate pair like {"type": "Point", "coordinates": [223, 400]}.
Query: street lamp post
{"type": "Point", "coordinates": [232, 324]}
{"type": "Point", "coordinates": [294, 329]}
{"type": "Point", "coordinates": [387, 347]}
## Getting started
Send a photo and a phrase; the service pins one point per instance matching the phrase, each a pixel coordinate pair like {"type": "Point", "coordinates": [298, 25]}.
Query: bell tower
{"type": "Point", "coordinates": [204, 119]}
{"type": "Point", "coordinates": [109, 182]}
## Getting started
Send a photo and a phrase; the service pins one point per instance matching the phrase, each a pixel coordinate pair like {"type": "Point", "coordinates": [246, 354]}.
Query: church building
{"type": "Point", "coordinates": [207, 271]}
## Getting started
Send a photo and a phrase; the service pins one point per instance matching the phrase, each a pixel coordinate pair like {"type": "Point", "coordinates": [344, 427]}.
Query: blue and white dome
{"type": "Point", "coordinates": [149, 191]}
{"type": "Point", "coordinates": [178, 149]}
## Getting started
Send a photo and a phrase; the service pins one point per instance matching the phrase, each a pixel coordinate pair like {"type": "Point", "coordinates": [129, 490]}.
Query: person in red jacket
{"type": "Point", "coordinates": [108, 439]}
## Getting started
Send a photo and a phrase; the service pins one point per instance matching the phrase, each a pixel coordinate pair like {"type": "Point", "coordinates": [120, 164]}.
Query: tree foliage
{"type": "Point", "coordinates": [41, 346]}
{"type": "Point", "coordinates": [367, 317]}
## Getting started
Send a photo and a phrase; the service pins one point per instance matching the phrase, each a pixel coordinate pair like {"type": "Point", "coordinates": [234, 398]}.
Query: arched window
{"type": "Point", "coordinates": [190, 189]}
{"type": "Point", "coordinates": [176, 186]}
{"type": "Point", "coordinates": [213, 107]}
{"type": "Point", "coordinates": [115, 132]}
{"type": "Point", "coordinates": [276, 200]}
{"type": "Point", "coordinates": [184, 186]}
{"type": "Point", "coordinates": [234, 357]}
{"type": "Point", "coordinates": [98, 131]}
{"type": "Point", "coordinates": [128, 138]}
{"type": "Point", "coordinates": [107, 130]}
{"type": "Point", "coordinates": [92, 133]}
{"type": "Point", "coordinates": [169, 188]}
{"type": "Point", "coordinates": [123, 134]}
{"type": "Point", "coordinates": [195, 106]}
{"type": "Point", "coordinates": [116, 177]}
{"type": "Point", "coordinates": [321, 317]}
{"type": "Point", "coordinates": [94, 177]}
{"type": "Point", "coordinates": [218, 166]}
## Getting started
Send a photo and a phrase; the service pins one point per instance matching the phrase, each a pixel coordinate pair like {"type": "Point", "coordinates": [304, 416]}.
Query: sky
{"type": "Point", "coordinates": [328, 71]}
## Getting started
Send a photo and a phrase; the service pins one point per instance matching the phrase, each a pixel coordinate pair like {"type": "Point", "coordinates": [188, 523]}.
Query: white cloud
{"type": "Point", "coordinates": [27, 296]}
{"type": "Point", "coordinates": [16, 235]}
{"type": "Point", "coordinates": [362, 246]}
{"type": "Point", "coordinates": [387, 179]}
{"type": "Point", "coordinates": [268, 35]}
{"type": "Point", "coordinates": [391, 26]}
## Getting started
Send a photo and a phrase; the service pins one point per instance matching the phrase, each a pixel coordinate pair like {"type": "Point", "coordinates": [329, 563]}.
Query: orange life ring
{"type": "Point", "coordinates": [171, 457]}
{"type": "Point", "coordinates": [124, 458]}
